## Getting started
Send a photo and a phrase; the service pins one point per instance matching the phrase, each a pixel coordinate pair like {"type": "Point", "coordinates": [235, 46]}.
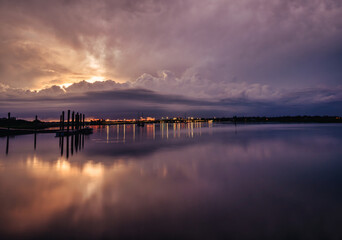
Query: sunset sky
{"type": "Point", "coordinates": [204, 58]}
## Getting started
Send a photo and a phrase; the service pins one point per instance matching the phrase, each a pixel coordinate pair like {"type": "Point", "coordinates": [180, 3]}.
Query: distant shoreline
{"type": "Point", "coordinates": [12, 126]}
{"type": "Point", "coordinates": [24, 124]}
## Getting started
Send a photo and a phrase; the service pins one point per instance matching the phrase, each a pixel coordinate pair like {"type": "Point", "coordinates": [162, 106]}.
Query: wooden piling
{"type": "Point", "coordinates": [63, 121]}
{"type": "Point", "coordinates": [73, 120]}
{"type": "Point", "coordinates": [9, 118]}
{"type": "Point", "coordinates": [68, 120]}
{"type": "Point", "coordinates": [81, 120]}
{"type": "Point", "coordinates": [77, 120]}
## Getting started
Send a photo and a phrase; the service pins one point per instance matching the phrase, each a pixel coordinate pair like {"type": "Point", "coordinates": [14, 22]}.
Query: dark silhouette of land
{"type": "Point", "coordinates": [18, 126]}
{"type": "Point", "coordinates": [24, 124]}
{"type": "Point", "coordinates": [283, 119]}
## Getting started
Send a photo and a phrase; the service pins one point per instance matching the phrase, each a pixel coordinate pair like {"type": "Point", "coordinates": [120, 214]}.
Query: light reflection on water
{"type": "Point", "coordinates": [175, 181]}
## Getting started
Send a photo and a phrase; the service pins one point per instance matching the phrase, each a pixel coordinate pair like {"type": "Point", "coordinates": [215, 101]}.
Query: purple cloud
{"type": "Point", "coordinates": [253, 50]}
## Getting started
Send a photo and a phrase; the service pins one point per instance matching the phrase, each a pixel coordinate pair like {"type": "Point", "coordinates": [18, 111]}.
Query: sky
{"type": "Point", "coordinates": [201, 58]}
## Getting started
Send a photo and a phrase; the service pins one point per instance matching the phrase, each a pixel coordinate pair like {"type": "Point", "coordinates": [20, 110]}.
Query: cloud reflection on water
{"type": "Point", "coordinates": [263, 181]}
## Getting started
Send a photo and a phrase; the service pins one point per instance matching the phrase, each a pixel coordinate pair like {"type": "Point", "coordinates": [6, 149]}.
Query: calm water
{"type": "Point", "coordinates": [195, 181]}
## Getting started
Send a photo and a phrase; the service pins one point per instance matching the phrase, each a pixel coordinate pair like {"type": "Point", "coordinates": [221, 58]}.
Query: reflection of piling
{"type": "Point", "coordinates": [76, 142]}
{"type": "Point", "coordinates": [72, 144]}
{"type": "Point", "coordinates": [133, 132]}
{"type": "Point", "coordinates": [67, 150]}
{"type": "Point", "coordinates": [62, 145]}
{"type": "Point", "coordinates": [7, 144]}
{"type": "Point", "coordinates": [35, 141]}
{"type": "Point", "coordinates": [234, 119]}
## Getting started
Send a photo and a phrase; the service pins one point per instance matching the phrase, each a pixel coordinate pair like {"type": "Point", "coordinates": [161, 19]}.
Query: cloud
{"type": "Point", "coordinates": [85, 86]}
{"type": "Point", "coordinates": [195, 85]}
{"type": "Point", "coordinates": [280, 43]}
{"type": "Point", "coordinates": [313, 95]}
{"type": "Point", "coordinates": [265, 57]}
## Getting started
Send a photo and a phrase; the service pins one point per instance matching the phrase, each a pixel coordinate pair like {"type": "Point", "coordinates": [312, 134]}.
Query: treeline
{"type": "Point", "coordinates": [283, 119]}
{"type": "Point", "coordinates": [23, 124]}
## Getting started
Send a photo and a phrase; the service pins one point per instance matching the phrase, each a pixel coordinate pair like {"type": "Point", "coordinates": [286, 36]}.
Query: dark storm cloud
{"type": "Point", "coordinates": [123, 102]}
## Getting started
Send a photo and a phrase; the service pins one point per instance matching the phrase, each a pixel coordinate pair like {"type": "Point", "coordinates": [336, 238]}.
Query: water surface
{"type": "Point", "coordinates": [172, 181]}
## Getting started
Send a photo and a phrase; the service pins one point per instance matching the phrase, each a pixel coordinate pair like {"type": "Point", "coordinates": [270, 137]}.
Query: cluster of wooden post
{"type": "Point", "coordinates": [76, 122]}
